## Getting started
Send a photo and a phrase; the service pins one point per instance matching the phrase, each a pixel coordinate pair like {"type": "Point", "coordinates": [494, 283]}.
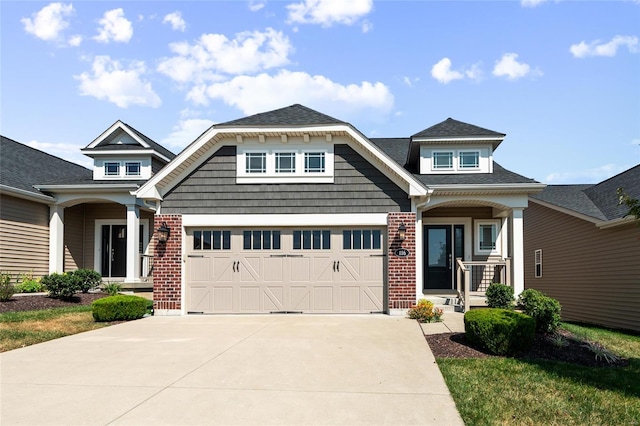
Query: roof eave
{"type": "Point", "coordinates": [27, 195]}
{"type": "Point", "coordinates": [567, 211]}
{"type": "Point", "coordinates": [87, 188]}
{"type": "Point", "coordinates": [515, 188]}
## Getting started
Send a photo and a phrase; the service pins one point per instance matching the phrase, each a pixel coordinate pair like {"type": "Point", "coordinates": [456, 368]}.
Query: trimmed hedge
{"type": "Point", "coordinates": [85, 279]}
{"type": "Point", "coordinates": [500, 296]}
{"type": "Point", "coordinates": [499, 331]}
{"type": "Point", "coordinates": [545, 310]}
{"type": "Point", "coordinates": [122, 307]}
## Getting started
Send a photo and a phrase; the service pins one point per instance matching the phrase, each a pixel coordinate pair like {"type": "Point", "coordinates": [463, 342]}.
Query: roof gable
{"type": "Point", "coordinates": [294, 115]}
{"type": "Point", "coordinates": [128, 139]}
{"type": "Point", "coordinates": [451, 128]}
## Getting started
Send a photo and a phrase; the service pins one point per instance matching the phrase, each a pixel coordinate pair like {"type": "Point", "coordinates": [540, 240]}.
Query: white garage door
{"type": "Point", "coordinates": [336, 270]}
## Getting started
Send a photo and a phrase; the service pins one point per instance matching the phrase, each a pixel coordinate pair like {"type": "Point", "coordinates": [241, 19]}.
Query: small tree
{"type": "Point", "coordinates": [632, 203]}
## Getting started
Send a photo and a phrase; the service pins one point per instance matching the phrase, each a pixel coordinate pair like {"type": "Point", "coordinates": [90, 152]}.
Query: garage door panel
{"type": "Point", "coordinates": [323, 299]}
{"type": "Point", "coordinates": [300, 298]}
{"type": "Point", "coordinates": [222, 299]}
{"type": "Point", "coordinates": [322, 269]}
{"type": "Point", "coordinates": [250, 269]}
{"type": "Point", "coordinates": [299, 269]}
{"type": "Point", "coordinates": [372, 298]}
{"type": "Point", "coordinates": [273, 299]}
{"type": "Point", "coordinates": [273, 269]}
{"type": "Point", "coordinates": [373, 268]}
{"type": "Point", "coordinates": [222, 269]}
{"type": "Point", "coordinates": [200, 269]}
{"type": "Point", "coordinates": [250, 299]}
{"type": "Point", "coordinates": [350, 298]}
{"type": "Point", "coordinates": [350, 269]}
{"type": "Point", "coordinates": [199, 298]}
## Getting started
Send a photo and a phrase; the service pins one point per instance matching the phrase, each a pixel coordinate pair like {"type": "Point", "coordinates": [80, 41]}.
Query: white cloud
{"type": "Point", "coordinates": [114, 26]}
{"type": "Point", "coordinates": [214, 54]}
{"type": "Point", "coordinates": [532, 3]}
{"type": "Point", "coordinates": [366, 26]}
{"type": "Point", "coordinates": [409, 81]}
{"type": "Point", "coordinates": [508, 66]}
{"type": "Point", "coordinates": [185, 132]}
{"type": "Point", "coordinates": [593, 175]}
{"type": "Point", "coordinates": [328, 12]}
{"type": "Point", "coordinates": [253, 94]}
{"type": "Point", "coordinates": [176, 21]}
{"type": "Point", "coordinates": [475, 72]}
{"type": "Point", "coordinates": [255, 5]}
{"type": "Point", "coordinates": [123, 86]}
{"type": "Point", "coordinates": [65, 151]}
{"type": "Point", "coordinates": [75, 40]}
{"type": "Point", "coordinates": [443, 73]}
{"type": "Point", "coordinates": [596, 48]}
{"type": "Point", "coordinates": [49, 22]}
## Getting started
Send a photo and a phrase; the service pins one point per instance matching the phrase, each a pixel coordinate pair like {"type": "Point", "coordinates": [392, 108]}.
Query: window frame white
{"type": "Point", "coordinates": [247, 162]}
{"type": "Point", "coordinates": [477, 157]}
{"type": "Point", "coordinates": [437, 153]}
{"type": "Point", "coordinates": [273, 174]}
{"type": "Point", "coordinates": [537, 263]}
{"type": "Point", "coordinates": [106, 168]}
{"type": "Point", "coordinates": [131, 163]}
{"type": "Point", "coordinates": [278, 155]}
{"type": "Point", "coordinates": [478, 225]}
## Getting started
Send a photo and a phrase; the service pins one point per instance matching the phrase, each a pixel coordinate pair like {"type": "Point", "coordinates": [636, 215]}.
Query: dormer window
{"type": "Point", "coordinates": [256, 162]}
{"type": "Point", "coordinates": [132, 168]}
{"type": "Point", "coordinates": [314, 162]}
{"type": "Point", "coordinates": [460, 159]}
{"type": "Point", "coordinates": [469, 159]}
{"type": "Point", "coordinates": [285, 162]}
{"type": "Point", "coordinates": [443, 160]}
{"type": "Point", "coordinates": [112, 169]}
{"type": "Point", "coordinates": [293, 163]}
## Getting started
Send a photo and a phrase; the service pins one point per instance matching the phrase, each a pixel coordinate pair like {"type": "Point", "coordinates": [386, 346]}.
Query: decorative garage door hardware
{"type": "Point", "coordinates": [336, 266]}
{"type": "Point", "coordinates": [286, 255]}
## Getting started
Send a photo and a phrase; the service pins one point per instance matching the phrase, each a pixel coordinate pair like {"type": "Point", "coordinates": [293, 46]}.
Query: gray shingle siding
{"type": "Point", "coordinates": [358, 188]}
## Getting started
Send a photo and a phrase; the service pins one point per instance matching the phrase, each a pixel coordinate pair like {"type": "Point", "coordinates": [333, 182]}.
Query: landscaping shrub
{"type": "Point", "coordinates": [60, 285]}
{"type": "Point", "coordinates": [28, 284]}
{"type": "Point", "coordinates": [122, 307]}
{"type": "Point", "coordinates": [423, 311]}
{"type": "Point", "coordinates": [545, 310]}
{"type": "Point", "coordinates": [7, 289]}
{"type": "Point", "coordinates": [499, 331]}
{"type": "Point", "coordinates": [112, 288]}
{"type": "Point", "coordinates": [85, 279]}
{"type": "Point", "coordinates": [500, 296]}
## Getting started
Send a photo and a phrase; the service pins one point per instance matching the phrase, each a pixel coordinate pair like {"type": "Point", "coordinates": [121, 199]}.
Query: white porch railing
{"type": "Point", "coordinates": [473, 277]}
{"type": "Point", "coordinates": [146, 265]}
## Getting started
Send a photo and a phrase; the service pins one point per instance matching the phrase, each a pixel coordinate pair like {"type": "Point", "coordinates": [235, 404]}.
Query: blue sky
{"type": "Point", "coordinates": [560, 78]}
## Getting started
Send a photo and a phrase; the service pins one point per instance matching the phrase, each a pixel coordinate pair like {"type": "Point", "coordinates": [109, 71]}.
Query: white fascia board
{"type": "Point", "coordinates": [461, 139]}
{"type": "Point", "coordinates": [117, 125]}
{"type": "Point", "coordinates": [595, 221]}
{"type": "Point", "coordinates": [616, 222]}
{"type": "Point", "coordinates": [86, 188]}
{"type": "Point", "coordinates": [115, 153]}
{"type": "Point", "coordinates": [416, 189]}
{"type": "Point", "coordinates": [27, 195]}
{"type": "Point", "coordinates": [529, 188]}
{"type": "Point", "coordinates": [288, 220]}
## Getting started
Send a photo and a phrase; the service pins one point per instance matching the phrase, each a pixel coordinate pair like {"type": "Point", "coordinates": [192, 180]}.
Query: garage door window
{"type": "Point", "coordinates": [211, 240]}
{"type": "Point", "coordinates": [312, 240]}
{"type": "Point", "coordinates": [361, 239]}
{"type": "Point", "coordinates": [261, 240]}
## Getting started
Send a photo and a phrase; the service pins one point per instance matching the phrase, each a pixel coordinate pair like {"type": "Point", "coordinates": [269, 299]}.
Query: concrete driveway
{"type": "Point", "coordinates": [263, 370]}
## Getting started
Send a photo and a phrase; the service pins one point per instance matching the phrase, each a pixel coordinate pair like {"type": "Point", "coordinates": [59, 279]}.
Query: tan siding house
{"type": "Point", "coordinates": [590, 264]}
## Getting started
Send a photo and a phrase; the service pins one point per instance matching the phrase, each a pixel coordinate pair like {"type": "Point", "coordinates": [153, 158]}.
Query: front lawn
{"type": "Point", "coordinates": [20, 329]}
{"type": "Point", "coordinates": [520, 391]}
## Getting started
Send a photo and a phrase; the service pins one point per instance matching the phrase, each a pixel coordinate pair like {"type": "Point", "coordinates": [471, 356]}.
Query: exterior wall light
{"type": "Point", "coordinates": [163, 233]}
{"type": "Point", "coordinates": [402, 232]}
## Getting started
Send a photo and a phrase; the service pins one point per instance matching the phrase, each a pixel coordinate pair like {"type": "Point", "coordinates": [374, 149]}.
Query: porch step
{"type": "Point", "coordinates": [448, 303]}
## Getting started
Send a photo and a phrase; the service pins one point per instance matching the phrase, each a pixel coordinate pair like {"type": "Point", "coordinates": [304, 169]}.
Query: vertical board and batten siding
{"type": "Point", "coordinates": [594, 273]}
{"type": "Point", "coordinates": [358, 187]}
{"type": "Point", "coordinates": [24, 236]}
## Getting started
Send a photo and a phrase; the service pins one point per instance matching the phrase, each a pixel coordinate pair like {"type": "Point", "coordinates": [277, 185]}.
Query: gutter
{"type": "Point", "coordinates": [27, 195]}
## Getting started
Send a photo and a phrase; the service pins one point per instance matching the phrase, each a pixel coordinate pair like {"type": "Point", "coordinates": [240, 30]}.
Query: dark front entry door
{"type": "Point", "coordinates": [114, 250]}
{"type": "Point", "coordinates": [438, 257]}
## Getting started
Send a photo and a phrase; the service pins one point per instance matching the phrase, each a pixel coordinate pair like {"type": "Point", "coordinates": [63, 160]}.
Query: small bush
{"type": "Point", "coordinates": [122, 307]}
{"type": "Point", "coordinates": [60, 285]}
{"type": "Point", "coordinates": [86, 279]}
{"type": "Point", "coordinates": [28, 284]}
{"type": "Point", "coordinates": [423, 312]}
{"type": "Point", "coordinates": [112, 288]}
{"type": "Point", "coordinates": [7, 290]}
{"type": "Point", "coordinates": [500, 296]}
{"type": "Point", "coordinates": [499, 331]}
{"type": "Point", "coordinates": [545, 310]}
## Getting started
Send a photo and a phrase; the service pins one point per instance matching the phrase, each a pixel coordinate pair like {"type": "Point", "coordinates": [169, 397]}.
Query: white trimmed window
{"type": "Point", "coordinates": [487, 240]}
{"type": "Point", "coordinates": [285, 165]}
{"type": "Point", "coordinates": [256, 162]}
{"type": "Point", "coordinates": [443, 160]}
{"type": "Point", "coordinates": [112, 169]}
{"type": "Point", "coordinates": [285, 162]}
{"type": "Point", "coordinates": [538, 263]}
{"type": "Point", "coordinates": [314, 162]}
{"type": "Point", "coordinates": [132, 168]}
{"type": "Point", "coordinates": [469, 159]}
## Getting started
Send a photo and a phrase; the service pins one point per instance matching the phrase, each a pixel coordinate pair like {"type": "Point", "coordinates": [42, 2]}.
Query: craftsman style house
{"type": "Point", "coordinates": [582, 249]}
{"type": "Point", "coordinates": [295, 211]}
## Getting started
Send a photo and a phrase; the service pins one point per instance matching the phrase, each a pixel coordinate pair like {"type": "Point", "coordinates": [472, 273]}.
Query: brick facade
{"type": "Point", "coordinates": [402, 270]}
{"type": "Point", "coordinates": [167, 266]}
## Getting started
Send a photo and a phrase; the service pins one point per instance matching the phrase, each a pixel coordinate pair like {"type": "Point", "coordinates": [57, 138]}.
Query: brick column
{"type": "Point", "coordinates": [401, 270]}
{"type": "Point", "coordinates": [167, 267]}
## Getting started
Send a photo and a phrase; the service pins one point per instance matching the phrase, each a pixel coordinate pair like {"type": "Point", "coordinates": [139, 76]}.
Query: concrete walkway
{"type": "Point", "coordinates": [267, 370]}
{"type": "Point", "coordinates": [452, 322]}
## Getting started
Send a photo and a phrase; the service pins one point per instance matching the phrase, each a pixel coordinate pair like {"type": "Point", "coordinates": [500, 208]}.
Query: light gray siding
{"type": "Point", "coordinates": [594, 273]}
{"type": "Point", "coordinates": [358, 187]}
{"type": "Point", "coordinates": [24, 236]}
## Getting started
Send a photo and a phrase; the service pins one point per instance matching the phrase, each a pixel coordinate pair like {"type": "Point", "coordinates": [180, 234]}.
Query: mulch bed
{"type": "Point", "coordinates": [455, 345]}
{"type": "Point", "coordinates": [30, 302]}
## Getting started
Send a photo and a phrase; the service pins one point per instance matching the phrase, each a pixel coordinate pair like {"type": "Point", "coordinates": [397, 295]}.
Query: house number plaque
{"type": "Point", "coordinates": [402, 252]}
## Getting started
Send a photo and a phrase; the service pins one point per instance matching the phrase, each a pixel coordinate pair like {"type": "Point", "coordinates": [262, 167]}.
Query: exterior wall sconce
{"type": "Point", "coordinates": [163, 233]}
{"type": "Point", "coordinates": [402, 232]}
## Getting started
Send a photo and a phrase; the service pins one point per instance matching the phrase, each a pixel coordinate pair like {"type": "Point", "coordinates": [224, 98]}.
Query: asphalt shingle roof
{"type": "Point", "coordinates": [294, 115]}
{"type": "Point", "coordinates": [153, 144]}
{"type": "Point", "coordinates": [451, 128]}
{"type": "Point", "coordinates": [21, 167]}
{"type": "Point", "coordinates": [396, 148]}
{"type": "Point", "coordinates": [599, 201]}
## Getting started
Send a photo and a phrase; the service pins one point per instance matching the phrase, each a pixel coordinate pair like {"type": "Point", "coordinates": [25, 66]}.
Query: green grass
{"type": "Point", "coordinates": [523, 392]}
{"type": "Point", "coordinates": [20, 329]}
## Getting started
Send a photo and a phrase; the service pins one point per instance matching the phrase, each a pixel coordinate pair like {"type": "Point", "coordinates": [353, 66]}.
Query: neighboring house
{"type": "Point", "coordinates": [295, 211]}
{"type": "Point", "coordinates": [58, 216]}
{"type": "Point", "coordinates": [582, 250]}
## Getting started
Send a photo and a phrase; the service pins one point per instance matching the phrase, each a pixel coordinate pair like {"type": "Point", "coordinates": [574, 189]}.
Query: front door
{"type": "Point", "coordinates": [438, 257]}
{"type": "Point", "coordinates": [114, 250]}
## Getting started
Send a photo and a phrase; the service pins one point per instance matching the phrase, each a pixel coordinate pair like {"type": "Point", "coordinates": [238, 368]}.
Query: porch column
{"type": "Point", "coordinates": [517, 261]}
{"type": "Point", "coordinates": [133, 244]}
{"type": "Point", "coordinates": [56, 239]}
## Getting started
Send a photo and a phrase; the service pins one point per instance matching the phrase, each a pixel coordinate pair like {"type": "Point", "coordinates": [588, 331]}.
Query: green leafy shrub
{"type": "Point", "coordinates": [60, 285]}
{"type": "Point", "coordinates": [85, 279]}
{"type": "Point", "coordinates": [499, 331]}
{"type": "Point", "coordinates": [423, 311]}
{"type": "Point", "coordinates": [500, 296]}
{"type": "Point", "coordinates": [7, 290]}
{"type": "Point", "coordinates": [112, 288]}
{"type": "Point", "coordinates": [545, 310]}
{"type": "Point", "coordinates": [122, 307]}
{"type": "Point", "coordinates": [28, 284]}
